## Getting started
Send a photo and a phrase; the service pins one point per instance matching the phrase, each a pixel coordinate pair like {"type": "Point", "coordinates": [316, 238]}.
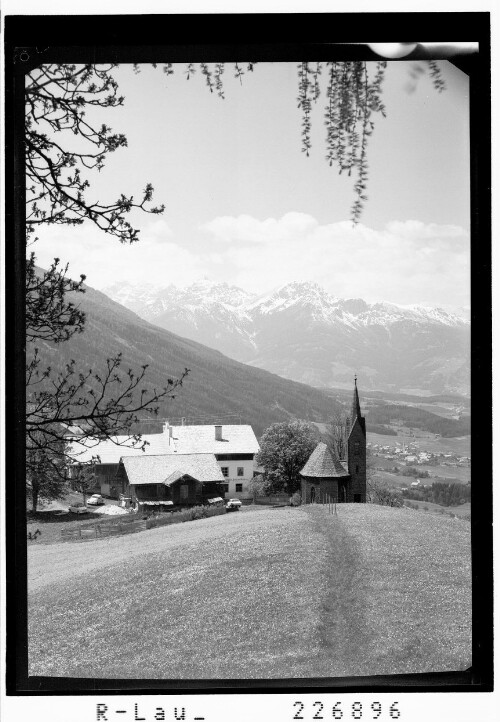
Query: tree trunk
{"type": "Point", "coordinates": [34, 497]}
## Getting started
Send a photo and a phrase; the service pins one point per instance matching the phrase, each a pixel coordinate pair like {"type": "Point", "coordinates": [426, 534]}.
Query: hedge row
{"type": "Point", "coordinates": [176, 517]}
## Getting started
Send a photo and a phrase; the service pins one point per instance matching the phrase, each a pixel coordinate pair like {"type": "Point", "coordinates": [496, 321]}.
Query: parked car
{"type": "Point", "coordinates": [78, 508]}
{"type": "Point", "coordinates": [95, 500]}
{"type": "Point", "coordinates": [233, 505]}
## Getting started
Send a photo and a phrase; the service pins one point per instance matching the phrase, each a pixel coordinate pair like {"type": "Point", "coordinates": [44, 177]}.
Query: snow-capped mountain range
{"type": "Point", "coordinates": [301, 332]}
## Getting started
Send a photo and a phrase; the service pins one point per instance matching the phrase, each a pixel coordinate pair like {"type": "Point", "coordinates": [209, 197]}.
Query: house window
{"type": "Point", "coordinates": [357, 469]}
{"type": "Point", "coordinates": [356, 448]}
{"type": "Point", "coordinates": [240, 471]}
{"type": "Point", "coordinates": [239, 487]}
{"type": "Point", "coordinates": [225, 471]}
{"type": "Point", "coordinates": [225, 488]}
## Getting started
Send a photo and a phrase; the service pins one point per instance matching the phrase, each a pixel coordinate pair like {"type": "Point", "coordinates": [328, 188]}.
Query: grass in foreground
{"type": "Point", "coordinates": [276, 594]}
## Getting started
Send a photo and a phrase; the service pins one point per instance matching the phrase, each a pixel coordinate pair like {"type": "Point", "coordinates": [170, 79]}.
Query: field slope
{"type": "Point", "coordinates": [283, 593]}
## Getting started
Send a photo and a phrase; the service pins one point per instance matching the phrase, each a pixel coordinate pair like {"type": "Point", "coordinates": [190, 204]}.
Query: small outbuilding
{"type": "Point", "coordinates": [324, 477]}
{"type": "Point", "coordinates": [180, 480]}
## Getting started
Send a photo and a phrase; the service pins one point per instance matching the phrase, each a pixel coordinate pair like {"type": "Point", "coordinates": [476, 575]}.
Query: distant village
{"type": "Point", "coordinates": [410, 455]}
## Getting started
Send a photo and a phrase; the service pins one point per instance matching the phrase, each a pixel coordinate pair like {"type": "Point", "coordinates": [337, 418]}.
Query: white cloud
{"type": "Point", "coordinates": [155, 258]}
{"type": "Point", "coordinates": [245, 229]}
{"type": "Point", "coordinates": [158, 231]}
{"type": "Point", "coordinates": [406, 262]}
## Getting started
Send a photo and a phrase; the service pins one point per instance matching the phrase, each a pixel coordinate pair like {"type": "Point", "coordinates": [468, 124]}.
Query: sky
{"type": "Point", "coordinates": [244, 205]}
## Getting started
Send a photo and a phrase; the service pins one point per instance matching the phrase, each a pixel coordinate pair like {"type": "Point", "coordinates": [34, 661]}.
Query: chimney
{"type": "Point", "coordinates": [218, 432]}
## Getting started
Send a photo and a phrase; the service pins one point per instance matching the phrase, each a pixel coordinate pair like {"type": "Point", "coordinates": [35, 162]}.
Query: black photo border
{"type": "Point", "coordinates": [31, 40]}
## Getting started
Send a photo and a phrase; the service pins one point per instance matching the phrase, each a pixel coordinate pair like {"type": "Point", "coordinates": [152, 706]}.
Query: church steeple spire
{"type": "Point", "coordinates": [356, 451]}
{"type": "Point", "coordinates": [356, 409]}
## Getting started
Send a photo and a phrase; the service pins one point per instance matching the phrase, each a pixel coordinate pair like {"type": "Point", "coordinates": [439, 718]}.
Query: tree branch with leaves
{"type": "Point", "coordinates": [70, 410]}
{"type": "Point", "coordinates": [63, 145]}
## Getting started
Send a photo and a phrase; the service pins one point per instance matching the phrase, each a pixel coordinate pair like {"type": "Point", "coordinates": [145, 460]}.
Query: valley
{"type": "Point", "coordinates": [301, 332]}
{"type": "Point", "coordinates": [219, 389]}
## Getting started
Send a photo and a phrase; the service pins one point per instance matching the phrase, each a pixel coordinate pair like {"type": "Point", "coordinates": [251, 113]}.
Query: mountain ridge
{"type": "Point", "coordinates": [301, 332]}
{"type": "Point", "coordinates": [216, 387]}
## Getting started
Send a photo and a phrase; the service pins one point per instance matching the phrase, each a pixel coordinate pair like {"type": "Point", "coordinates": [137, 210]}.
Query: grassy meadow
{"type": "Point", "coordinates": [277, 593]}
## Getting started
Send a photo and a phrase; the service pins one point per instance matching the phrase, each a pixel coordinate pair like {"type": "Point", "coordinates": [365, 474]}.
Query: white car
{"type": "Point", "coordinates": [233, 505]}
{"type": "Point", "coordinates": [96, 500]}
{"type": "Point", "coordinates": [78, 508]}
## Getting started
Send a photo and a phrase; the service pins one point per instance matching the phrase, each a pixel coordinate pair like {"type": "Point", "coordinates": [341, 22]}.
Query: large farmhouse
{"type": "Point", "coordinates": [326, 476]}
{"type": "Point", "coordinates": [182, 464]}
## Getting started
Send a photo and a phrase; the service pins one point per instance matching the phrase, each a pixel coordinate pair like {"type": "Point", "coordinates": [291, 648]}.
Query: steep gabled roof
{"type": "Point", "coordinates": [356, 410]}
{"type": "Point", "coordinates": [236, 439]}
{"type": "Point", "coordinates": [110, 452]}
{"type": "Point", "coordinates": [167, 469]}
{"type": "Point", "coordinates": [322, 463]}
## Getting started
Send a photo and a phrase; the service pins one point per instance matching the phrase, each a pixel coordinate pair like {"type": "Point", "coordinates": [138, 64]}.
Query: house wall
{"type": "Point", "coordinates": [149, 492]}
{"type": "Point", "coordinates": [107, 482]}
{"type": "Point", "coordinates": [187, 491]}
{"type": "Point", "coordinates": [194, 493]}
{"type": "Point", "coordinates": [232, 462]}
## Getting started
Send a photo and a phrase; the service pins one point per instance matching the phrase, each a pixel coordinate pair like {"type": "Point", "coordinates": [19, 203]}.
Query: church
{"type": "Point", "coordinates": [325, 476]}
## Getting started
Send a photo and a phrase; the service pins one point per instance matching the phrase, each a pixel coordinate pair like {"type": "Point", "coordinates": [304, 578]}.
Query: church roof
{"type": "Point", "coordinates": [356, 410]}
{"type": "Point", "coordinates": [322, 463]}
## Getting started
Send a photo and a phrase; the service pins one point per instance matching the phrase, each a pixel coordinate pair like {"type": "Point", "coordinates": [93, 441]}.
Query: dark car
{"type": "Point", "coordinates": [78, 508]}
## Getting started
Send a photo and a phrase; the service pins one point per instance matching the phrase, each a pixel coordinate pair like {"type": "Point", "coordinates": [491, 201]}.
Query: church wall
{"type": "Point", "coordinates": [356, 461]}
{"type": "Point", "coordinates": [324, 487]}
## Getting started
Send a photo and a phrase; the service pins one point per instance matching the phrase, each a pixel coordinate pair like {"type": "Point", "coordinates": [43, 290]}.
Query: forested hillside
{"type": "Point", "coordinates": [216, 386]}
{"type": "Point", "coordinates": [416, 418]}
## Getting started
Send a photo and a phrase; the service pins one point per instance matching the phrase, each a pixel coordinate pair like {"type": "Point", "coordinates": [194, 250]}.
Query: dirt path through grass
{"type": "Point", "coordinates": [399, 591]}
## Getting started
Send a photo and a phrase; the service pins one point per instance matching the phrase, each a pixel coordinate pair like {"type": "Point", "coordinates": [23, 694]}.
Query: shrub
{"type": "Point", "coordinates": [379, 493]}
{"type": "Point", "coordinates": [177, 517]}
{"type": "Point", "coordinates": [296, 499]}
{"type": "Point", "coordinates": [215, 510]}
{"type": "Point", "coordinates": [155, 521]}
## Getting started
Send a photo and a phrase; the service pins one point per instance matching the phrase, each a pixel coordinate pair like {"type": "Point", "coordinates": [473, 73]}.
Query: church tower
{"type": "Point", "coordinates": [356, 452]}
